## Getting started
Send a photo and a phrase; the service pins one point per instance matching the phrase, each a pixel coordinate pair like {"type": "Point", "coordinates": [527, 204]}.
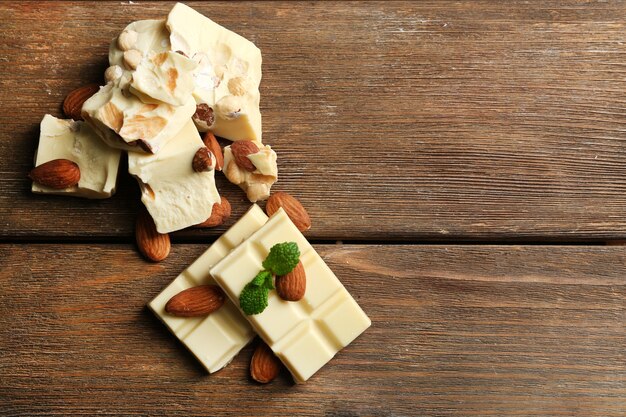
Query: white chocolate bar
{"type": "Point", "coordinates": [228, 74]}
{"type": "Point", "coordinates": [175, 195]}
{"type": "Point", "coordinates": [76, 141]}
{"type": "Point", "coordinates": [218, 337]}
{"type": "Point", "coordinates": [306, 334]}
{"type": "Point", "coordinates": [256, 184]}
{"type": "Point", "coordinates": [225, 74]}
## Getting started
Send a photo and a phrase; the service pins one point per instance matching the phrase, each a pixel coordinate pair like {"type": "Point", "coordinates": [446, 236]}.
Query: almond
{"type": "Point", "coordinates": [292, 207]}
{"type": "Point", "coordinates": [152, 244]}
{"type": "Point", "coordinates": [57, 174]}
{"type": "Point", "coordinates": [111, 116]}
{"type": "Point", "coordinates": [196, 301]}
{"type": "Point", "coordinates": [264, 366]}
{"type": "Point", "coordinates": [219, 214]}
{"type": "Point", "coordinates": [241, 149]}
{"type": "Point", "coordinates": [73, 103]}
{"type": "Point", "coordinates": [141, 127]}
{"type": "Point", "coordinates": [203, 160]}
{"type": "Point", "coordinates": [211, 143]}
{"type": "Point", "coordinates": [291, 287]}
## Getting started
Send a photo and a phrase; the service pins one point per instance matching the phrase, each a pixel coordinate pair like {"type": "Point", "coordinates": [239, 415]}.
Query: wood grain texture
{"type": "Point", "coordinates": [456, 330]}
{"type": "Point", "coordinates": [425, 120]}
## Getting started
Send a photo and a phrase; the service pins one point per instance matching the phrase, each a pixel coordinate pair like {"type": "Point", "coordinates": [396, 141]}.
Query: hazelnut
{"type": "Point", "coordinates": [203, 117]}
{"type": "Point", "coordinates": [132, 58]}
{"type": "Point", "coordinates": [203, 160]}
{"type": "Point", "coordinates": [234, 173]}
{"type": "Point", "coordinates": [258, 191]}
{"type": "Point", "coordinates": [113, 73]}
{"type": "Point", "coordinates": [127, 40]}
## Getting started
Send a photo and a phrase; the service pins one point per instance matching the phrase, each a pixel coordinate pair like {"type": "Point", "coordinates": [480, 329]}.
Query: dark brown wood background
{"type": "Point", "coordinates": [405, 128]}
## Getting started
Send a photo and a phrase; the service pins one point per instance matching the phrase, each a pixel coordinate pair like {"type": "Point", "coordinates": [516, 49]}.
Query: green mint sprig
{"type": "Point", "coordinates": [253, 298]}
{"type": "Point", "coordinates": [281, 260]}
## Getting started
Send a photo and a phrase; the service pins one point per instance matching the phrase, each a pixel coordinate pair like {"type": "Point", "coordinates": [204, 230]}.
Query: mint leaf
{"type": "Point", "coordinates": [263, 279]}
{"type": "Point", "coordinates": [283, 258]}
{"type": "Point", "coordinates": [253, 298]}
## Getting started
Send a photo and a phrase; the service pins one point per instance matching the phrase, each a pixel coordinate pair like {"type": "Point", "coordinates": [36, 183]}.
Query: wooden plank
{"type": "Point", "coordinates": [407, 120]}
{"type": "Point", "coordinates": [457, 330]}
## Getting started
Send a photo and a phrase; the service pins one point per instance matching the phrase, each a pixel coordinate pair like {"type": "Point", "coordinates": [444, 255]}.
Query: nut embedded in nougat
{"type": "Point", "coordinates": [204, 116]}
{"type": "Point", "coordinates": [114, 72]}
{"type": "Point", "coordinates": [257, 183]}
{"type": "Point", "coordinates": [127, 39]}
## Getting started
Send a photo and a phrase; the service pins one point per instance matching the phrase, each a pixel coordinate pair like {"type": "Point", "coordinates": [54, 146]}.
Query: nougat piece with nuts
{"type": "Point", "coordinates": [251, 166]}
{"type": "Point", "coordinates": [227, 77]}
{"type": "Point", "coordinates": [125, 122]}
{"type": "Point", "coordinates": [148, 97]}
{"type": "Point", "coordinates": [154, 72]}
{"type": "Point", "coordinates": [176, 194]}
{"type": "Point", "coordinates": [221, 69]}
{"type": "Point", "coordinates": [79, 143]}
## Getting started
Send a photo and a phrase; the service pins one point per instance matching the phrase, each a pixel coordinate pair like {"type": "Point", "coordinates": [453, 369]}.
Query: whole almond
{"type": "Point", "coordinates": [203, 160]}
{"type": "Point", "coordinates": [196, 301]}
{"type": "Point", "coordinates": [73, 102]}
{"type": "Point", "coordinates": [219, 214]}
{"type": "Point", "coordinates": [57, 174]}
{"type": "Point", "coordinates": [291, 287]}
{"type": "Point", "coordinates": [211, 143]}
{"type": "Point", "coordinates": [241, 149]}
{"type": "Point", "coordinates": [292, 207]}
{"type": "Point", "coordinates": [153, 245]}
{"type": "Point", "coordinates": [264, 366]}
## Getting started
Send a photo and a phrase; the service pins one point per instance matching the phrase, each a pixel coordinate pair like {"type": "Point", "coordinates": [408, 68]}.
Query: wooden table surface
{"type": "Point", "coordinates": [463, 164]}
